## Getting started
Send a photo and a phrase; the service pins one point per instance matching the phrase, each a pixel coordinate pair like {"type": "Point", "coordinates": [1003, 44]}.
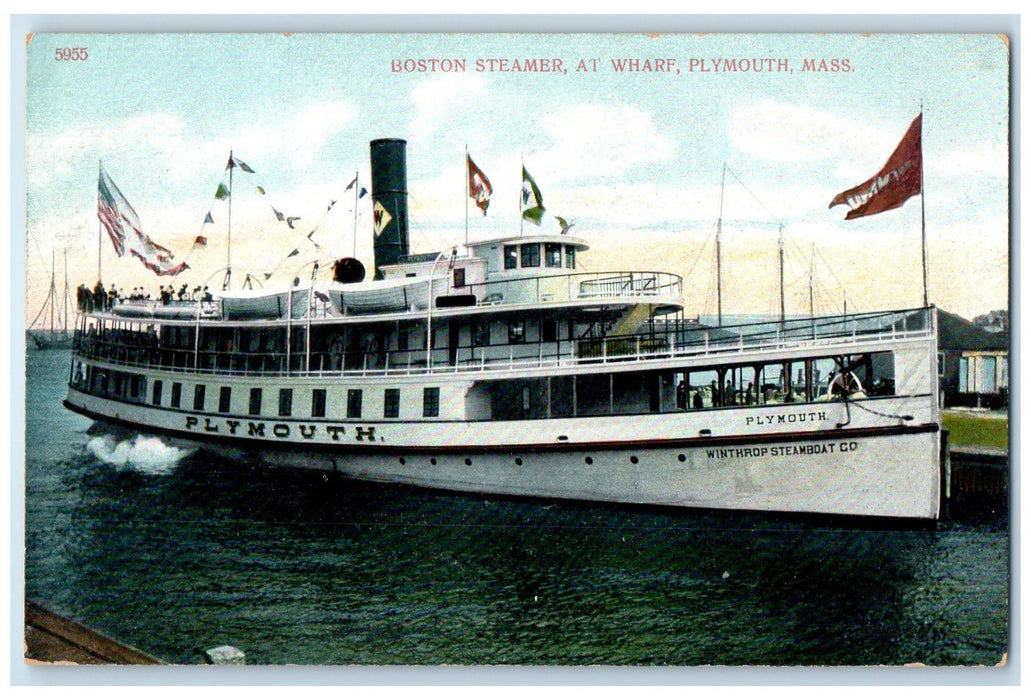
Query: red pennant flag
{"type": "Point", "coordinates": [479, 186]}
{"type": "Point", "coordinates": [899, 179]}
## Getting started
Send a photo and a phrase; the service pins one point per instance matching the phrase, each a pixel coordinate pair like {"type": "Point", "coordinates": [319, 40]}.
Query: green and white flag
{"type": "Point", "coordinates": [532, 202]}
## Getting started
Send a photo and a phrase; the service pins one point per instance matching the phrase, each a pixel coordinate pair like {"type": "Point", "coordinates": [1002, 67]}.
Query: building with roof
{"type": "Point", "coordinates": [973, 363]}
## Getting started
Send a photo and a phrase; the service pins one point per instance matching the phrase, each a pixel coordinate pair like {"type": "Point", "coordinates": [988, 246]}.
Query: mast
{"type": "Point", "coordinates": [53, 290]}
{"type": "Point", "coordinates": [229, 225]}
{"type": "Point", "coordinates": [780, 252]}
{"type": "Point", "coordinates": [66, 290]}
{"type": "Point", "coordinates": [719, 252]}
{"type": "Point", "coordinates": [812, 271]}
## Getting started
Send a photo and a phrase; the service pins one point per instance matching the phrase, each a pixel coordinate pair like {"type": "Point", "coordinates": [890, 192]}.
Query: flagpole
{"type": "Point", "coordinates": [100, 231]}
{"type": "Point", "coordinates": [923, 225]}
{"type": "Point", "coordinates": [520, 206]}
{"type": "Point", "coordinates": [466, 198]}
{"type": "Point", "coordinates": [229, 224]}
{"type": "Point", "coordinates": [354, 230]}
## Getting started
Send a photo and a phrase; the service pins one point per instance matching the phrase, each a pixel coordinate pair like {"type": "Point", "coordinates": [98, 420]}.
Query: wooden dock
{"type": "Point", "coordinates": [978, 473]}
{"type": "Point", "coordinates": [52, 639]}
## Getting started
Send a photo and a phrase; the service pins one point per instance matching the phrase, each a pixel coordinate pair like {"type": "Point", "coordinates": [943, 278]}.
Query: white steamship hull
{"type": "Point", "coordinates": [783, 459]}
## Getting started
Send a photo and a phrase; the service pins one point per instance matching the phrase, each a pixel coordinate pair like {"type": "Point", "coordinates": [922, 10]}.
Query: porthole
{"type": "Point", "coordinates": [633, 460]}
{"type": "Point", "coordinates": [519, 461]}
{"type": "Point", "coordinates": [682, 458]}
{"type": "Point", "coordinates": [468, 462]}
{"type": "Point", "coordinates": [433, 461]}
{"type": "Point", "coordinates": [401, 460]}
{"type": "Point", "coordinates": [589, 460]}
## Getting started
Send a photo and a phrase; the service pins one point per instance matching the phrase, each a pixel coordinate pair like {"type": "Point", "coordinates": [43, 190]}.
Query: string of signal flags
{"type": "Point", "coordinates": [224, 192]}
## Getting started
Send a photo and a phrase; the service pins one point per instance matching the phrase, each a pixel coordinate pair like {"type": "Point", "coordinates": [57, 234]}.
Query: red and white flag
{"type": "Point", "coordinates": [126, 232]}
{"type": "Point", "coordinates": [479, 186]}
{"type": "Point", "coordinates": [899, 179]}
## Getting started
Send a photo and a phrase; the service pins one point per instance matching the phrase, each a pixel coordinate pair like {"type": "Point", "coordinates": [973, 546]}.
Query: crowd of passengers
{"type": "Point", "coordinates": [104, 299]}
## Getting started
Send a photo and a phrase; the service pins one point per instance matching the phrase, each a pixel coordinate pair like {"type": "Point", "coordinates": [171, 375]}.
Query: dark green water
{"type": "Point", "coordinates": [296, 569]}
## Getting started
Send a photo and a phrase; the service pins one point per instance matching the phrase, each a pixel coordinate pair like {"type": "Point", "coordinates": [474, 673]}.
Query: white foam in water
{"type": "Point", "coordinates": [145, 454]}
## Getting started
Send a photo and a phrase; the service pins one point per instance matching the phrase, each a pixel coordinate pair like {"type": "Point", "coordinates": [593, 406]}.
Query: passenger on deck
{"type": "Point", "coordinates": [100, 296]}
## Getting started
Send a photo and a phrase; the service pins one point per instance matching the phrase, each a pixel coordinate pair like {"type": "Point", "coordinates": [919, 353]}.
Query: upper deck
{"type": "Point", "coordinates": [656, 341]}
{"type": "Point", "coordinates": [410, 297]}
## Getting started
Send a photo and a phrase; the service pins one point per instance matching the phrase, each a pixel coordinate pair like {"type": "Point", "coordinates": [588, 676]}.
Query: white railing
{"type": "Point", "coordinates": [590, 352]}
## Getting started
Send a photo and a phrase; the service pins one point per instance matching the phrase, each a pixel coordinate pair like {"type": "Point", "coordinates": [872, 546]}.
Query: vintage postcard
{"type": "Point", "coordinates": [573, 349]}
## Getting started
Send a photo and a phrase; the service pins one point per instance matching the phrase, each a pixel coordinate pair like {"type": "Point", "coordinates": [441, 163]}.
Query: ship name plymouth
{"type": "Point", "coordinates": [800, 417]}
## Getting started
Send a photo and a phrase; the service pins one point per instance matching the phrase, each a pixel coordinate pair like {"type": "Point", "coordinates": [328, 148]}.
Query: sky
{"type": "Point", "coordinates": [645, 164]}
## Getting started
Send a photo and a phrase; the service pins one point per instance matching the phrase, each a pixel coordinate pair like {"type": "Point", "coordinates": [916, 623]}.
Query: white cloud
{"type": "Point", "coordinates": [984, 158]}
{"type": "Point", "coordinates": [434, 100]}
{"type": "Point", "coordinates": [786, 133]}
{"type": "Point", "coordinates": [299, 136]}
{"type": "Point", "coordinates": [166, 142]}
{"type": "Point", "coordinates": [591, 140]}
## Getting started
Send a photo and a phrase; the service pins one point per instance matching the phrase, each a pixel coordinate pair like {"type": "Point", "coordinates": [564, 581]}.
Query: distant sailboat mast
{"type": "Point", "coordinates": [780, 254]}
{"type": "Point", "coordinates": [719, 252]}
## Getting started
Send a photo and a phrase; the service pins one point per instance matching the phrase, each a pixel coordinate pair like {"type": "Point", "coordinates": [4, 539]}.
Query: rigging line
{"type": "Point", "coordinates": [699, 256]}
{"type": "Point", "coordinates": [745, 187]}
{"type": "Point", "coordinates": [819, 254]}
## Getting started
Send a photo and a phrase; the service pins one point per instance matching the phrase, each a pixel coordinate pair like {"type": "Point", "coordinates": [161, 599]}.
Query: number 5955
{"type": "Point", "coordinates": [71, 54]}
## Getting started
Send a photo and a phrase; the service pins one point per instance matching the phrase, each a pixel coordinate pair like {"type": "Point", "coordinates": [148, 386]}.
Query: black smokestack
{"type": "Point", "coordinates": [389, 202]}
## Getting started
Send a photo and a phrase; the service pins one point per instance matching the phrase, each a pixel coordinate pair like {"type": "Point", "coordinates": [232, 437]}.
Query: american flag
{"type": "Point", "coordinates": [126, 232]}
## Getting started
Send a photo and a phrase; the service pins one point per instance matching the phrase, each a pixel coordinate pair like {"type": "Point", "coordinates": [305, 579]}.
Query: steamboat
{"type": "Point", "coordinates": [499, 367]}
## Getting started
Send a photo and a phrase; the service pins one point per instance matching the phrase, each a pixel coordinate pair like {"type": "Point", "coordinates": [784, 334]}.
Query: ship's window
{"type": "Point", "coordinates": [198, 397]}
{"type": "Point", "coordinates": [391, 403]}
{"type": "Point", "coordinates": [553, 254]}
{"type": "Point", "coordinates": [402, 337]}
{"type": "Point", "coordinates": [459, 277]}
{"type": "Point", "coordinates": [254, 406]}
{"type": "Point", "coordinates": [570, 257]}
{"type": "Point", "coordinates": [511, 257]}
{"type": "Point", "coordinates": [480, 332]}
{"type": "Point", "coordinates": [530, 255]}
{"type": "Point", "coordinates": [431, 402]}
{"type": "Point", "coordinates": [318, 403]}
{"type": "Point", "coordinates": [177, 394]}
{"type": "Point", "coordinates": [156, 393]}
{"type": "Point", "coordinates": [354, 403]}
{"type": "Point", "coordinates": [286, 402]}
{"type": "Point", "coordinates": [225, 395]}
{"type": "Point", "coordinates": [549, 330]}
{"type": "Point", "coordinates": [516, 332]}
{"type": "Point", "coordinates": [139, 387]}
